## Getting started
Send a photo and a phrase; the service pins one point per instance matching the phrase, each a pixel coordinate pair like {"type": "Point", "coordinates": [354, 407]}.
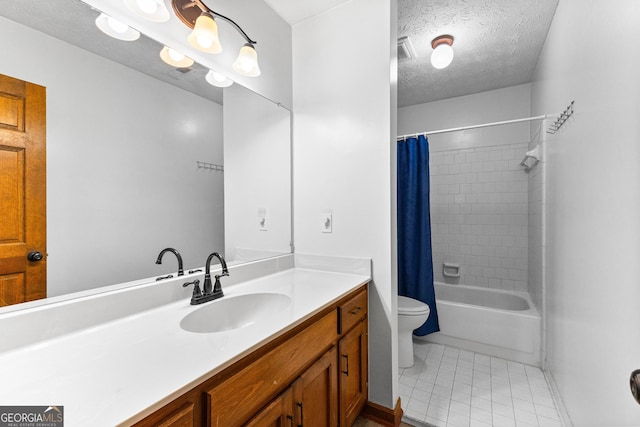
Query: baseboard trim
{"type": "Point", "coordinates": [557, 399]}
{"type": "Point", "coordinates": [383, 415]}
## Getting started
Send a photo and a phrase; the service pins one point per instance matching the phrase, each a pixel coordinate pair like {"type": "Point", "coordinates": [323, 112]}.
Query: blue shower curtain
{"type": "Point", "coordinates": [415, 263]}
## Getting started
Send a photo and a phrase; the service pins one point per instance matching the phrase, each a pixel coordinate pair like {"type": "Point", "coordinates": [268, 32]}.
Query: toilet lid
{"type": "Point", "coordinates": [408, 305]}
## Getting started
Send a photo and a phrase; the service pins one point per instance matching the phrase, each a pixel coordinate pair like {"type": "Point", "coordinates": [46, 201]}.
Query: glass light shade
{"type": "Point", "coordinates": [247, 62]}
{"type": "Point", "coordinates": [217, 79]}
{"type": "Point", "coordinates": [152, 10]}
{"type": "Point", "coordinates": [442, 56]}
{"type": "Point", "coordinates": [116, 29]}
{"type": "Point", "coordinates": [204, 36]}
{"type": "Point", "coordinates": [175, 58]}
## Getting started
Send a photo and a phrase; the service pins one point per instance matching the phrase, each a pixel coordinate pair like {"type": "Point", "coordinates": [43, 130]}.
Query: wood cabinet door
{"type": "Point", "coordinates": [352, 350]}
{"type": "Point", "coordinates": [279, 413]}
{"type": "Point", "coordinates": [315, 394]}
{"type": "Point", "coordinates": [22, 191]}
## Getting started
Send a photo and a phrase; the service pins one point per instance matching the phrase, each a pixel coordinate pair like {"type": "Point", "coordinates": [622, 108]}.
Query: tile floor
{"type": "Point", "coordinates": [449, 387]}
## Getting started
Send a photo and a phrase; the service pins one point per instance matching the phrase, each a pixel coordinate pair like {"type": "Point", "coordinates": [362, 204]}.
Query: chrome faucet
{"type": "Point", "coordinates": [209, 291]}
{"type": "Point", "coordinates": [177, 254]}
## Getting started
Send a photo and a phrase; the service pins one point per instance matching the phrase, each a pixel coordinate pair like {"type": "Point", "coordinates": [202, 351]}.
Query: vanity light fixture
{"type": "Point", "coordinates": [216, 79]}
{"type": "Point", "coordinates": [151, 10]}
{"type": "Point", "coordinates": [175, 58]}
{"type": "Point", "coordinates": [197, 16]}
{"type": "Point", "coordinates": [116, 29]}
{"type": "Point", "coordinates": [442, 54]}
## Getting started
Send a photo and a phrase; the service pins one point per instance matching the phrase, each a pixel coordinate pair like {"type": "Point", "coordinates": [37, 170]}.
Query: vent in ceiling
{"type": "Point", "coordinates": [405, 49]}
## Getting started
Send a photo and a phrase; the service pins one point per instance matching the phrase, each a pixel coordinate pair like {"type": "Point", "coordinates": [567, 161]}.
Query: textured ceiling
{"type": "Point", "coordinates": [73, 22]}
{"type": "Point", "coordinates": [497, 44]}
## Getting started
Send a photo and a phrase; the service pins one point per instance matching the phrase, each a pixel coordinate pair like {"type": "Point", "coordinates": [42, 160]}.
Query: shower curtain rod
{"type": "Point", "coordinates": [484, 125]}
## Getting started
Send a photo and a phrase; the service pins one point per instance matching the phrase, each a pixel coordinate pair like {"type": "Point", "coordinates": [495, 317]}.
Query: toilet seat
{"type": "Point", "coordinates": [411, 307]}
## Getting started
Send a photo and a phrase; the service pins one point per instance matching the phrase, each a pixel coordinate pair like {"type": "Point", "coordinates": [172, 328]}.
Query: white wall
{"type": "Point", "coordinates": [484, 107]}
{"type": "Point", "coordinates": [122, 181]}
{"type": "Point", "coordinates": [593, 207]}
{"type": "Point", "coordinates": [342, 159]}
{"type": "Point", "coordinates": [478, 188]}
{"type": "Point", "coordinates": [257, 159]}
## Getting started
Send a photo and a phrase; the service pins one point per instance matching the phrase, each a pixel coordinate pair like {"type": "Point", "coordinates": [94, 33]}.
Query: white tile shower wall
{"type": "Point", "coordinates": [479, 215]}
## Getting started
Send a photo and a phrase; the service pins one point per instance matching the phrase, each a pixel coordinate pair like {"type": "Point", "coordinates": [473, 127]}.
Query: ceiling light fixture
{"type": "Point", "coordinates": [151, 10]}
{"type": "Point", "coordinates": [216, 79]}
{"type": "Point", "coordinates": [116, 29]}
{"type": "Point", "coordinates": [175, 58]}
{"type": "Point", "coordinates": [197, 16]}
{"type": "Point", "coordinates": [442, 54]}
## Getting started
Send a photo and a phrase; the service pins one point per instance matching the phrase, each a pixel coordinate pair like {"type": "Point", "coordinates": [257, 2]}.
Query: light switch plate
{"type": "Point", "coordinates": [262, 219]}
{"type": "Point", "coordinates": [326, 222]}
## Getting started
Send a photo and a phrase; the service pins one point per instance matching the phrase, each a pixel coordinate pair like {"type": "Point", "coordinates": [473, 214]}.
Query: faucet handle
{"type": "Point", "coordinates": [196, 287]}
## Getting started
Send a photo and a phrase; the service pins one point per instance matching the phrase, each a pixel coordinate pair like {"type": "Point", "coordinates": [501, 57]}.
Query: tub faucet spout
{"type": "Point", "coordinates": [177, 254]}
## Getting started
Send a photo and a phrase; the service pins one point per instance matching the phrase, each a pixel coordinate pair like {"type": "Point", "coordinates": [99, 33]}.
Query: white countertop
{"type": "Point", "coordinates": [119, 371]}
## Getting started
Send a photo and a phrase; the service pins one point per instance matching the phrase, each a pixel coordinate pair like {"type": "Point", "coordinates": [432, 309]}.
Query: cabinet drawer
{"type": "Point", "coordinates": [352, 311]}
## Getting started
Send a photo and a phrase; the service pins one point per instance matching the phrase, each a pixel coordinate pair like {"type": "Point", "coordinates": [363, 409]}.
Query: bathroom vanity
{"type": "Point", "coordinates": [316, 371]}
{"type": "Point", "coordinates": [131, 356]}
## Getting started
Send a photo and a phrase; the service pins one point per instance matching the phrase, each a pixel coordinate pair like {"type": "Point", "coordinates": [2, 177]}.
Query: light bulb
{"type": "Point", "coordinates": [204, 41]}
{"type": "Point", "coordinates": [117, 26]}
{"type": "Point", "coordinates": [152, 10]}
{"type": "Point", "coordinates": [442, 54]}
{"type": "Point", "coordinates": [116, 29]}
{"type": "Point", "coordinates": [216, 79]}
{"type": "Point", "coordinates": [175, 58]}
{"type": "Point", "coordinates": [147, 6]}
{"type": "Point", "coordinates": [175, 55]}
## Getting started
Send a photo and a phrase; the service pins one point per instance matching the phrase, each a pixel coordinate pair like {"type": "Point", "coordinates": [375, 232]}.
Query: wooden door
{"type": "Point", "coordinates": [352, 349]}
{"type": "Point", "coordinates": [22, 191]}
{"type": "Point", "coordinates": [315, 394]}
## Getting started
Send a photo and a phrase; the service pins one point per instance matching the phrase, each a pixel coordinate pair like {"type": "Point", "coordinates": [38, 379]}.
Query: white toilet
{"type": "Point", "coordinates": [411, 315]}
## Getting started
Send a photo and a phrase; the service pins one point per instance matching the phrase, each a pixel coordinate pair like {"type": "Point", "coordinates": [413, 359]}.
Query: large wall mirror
{"type": "Point", "coordinates": [142, 156]}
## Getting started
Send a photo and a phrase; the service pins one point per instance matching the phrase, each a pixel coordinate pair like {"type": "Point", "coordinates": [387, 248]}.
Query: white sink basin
{"type": "Point", "coordinates": [235, 312]}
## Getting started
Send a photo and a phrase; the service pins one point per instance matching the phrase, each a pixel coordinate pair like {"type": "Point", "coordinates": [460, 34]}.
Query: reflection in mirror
{"type": "Point", "coordinates": [125, 157]}
{"type": "Point", "coordinates": [257, 158]}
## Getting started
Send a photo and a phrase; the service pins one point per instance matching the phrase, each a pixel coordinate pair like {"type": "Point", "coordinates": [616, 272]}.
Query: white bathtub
{"type": "Point", "coordinates": [499, 323]}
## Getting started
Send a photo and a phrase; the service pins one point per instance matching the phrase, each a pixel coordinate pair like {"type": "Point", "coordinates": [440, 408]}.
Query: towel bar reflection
{"type": "Point", "coordinates": [210, 166]}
